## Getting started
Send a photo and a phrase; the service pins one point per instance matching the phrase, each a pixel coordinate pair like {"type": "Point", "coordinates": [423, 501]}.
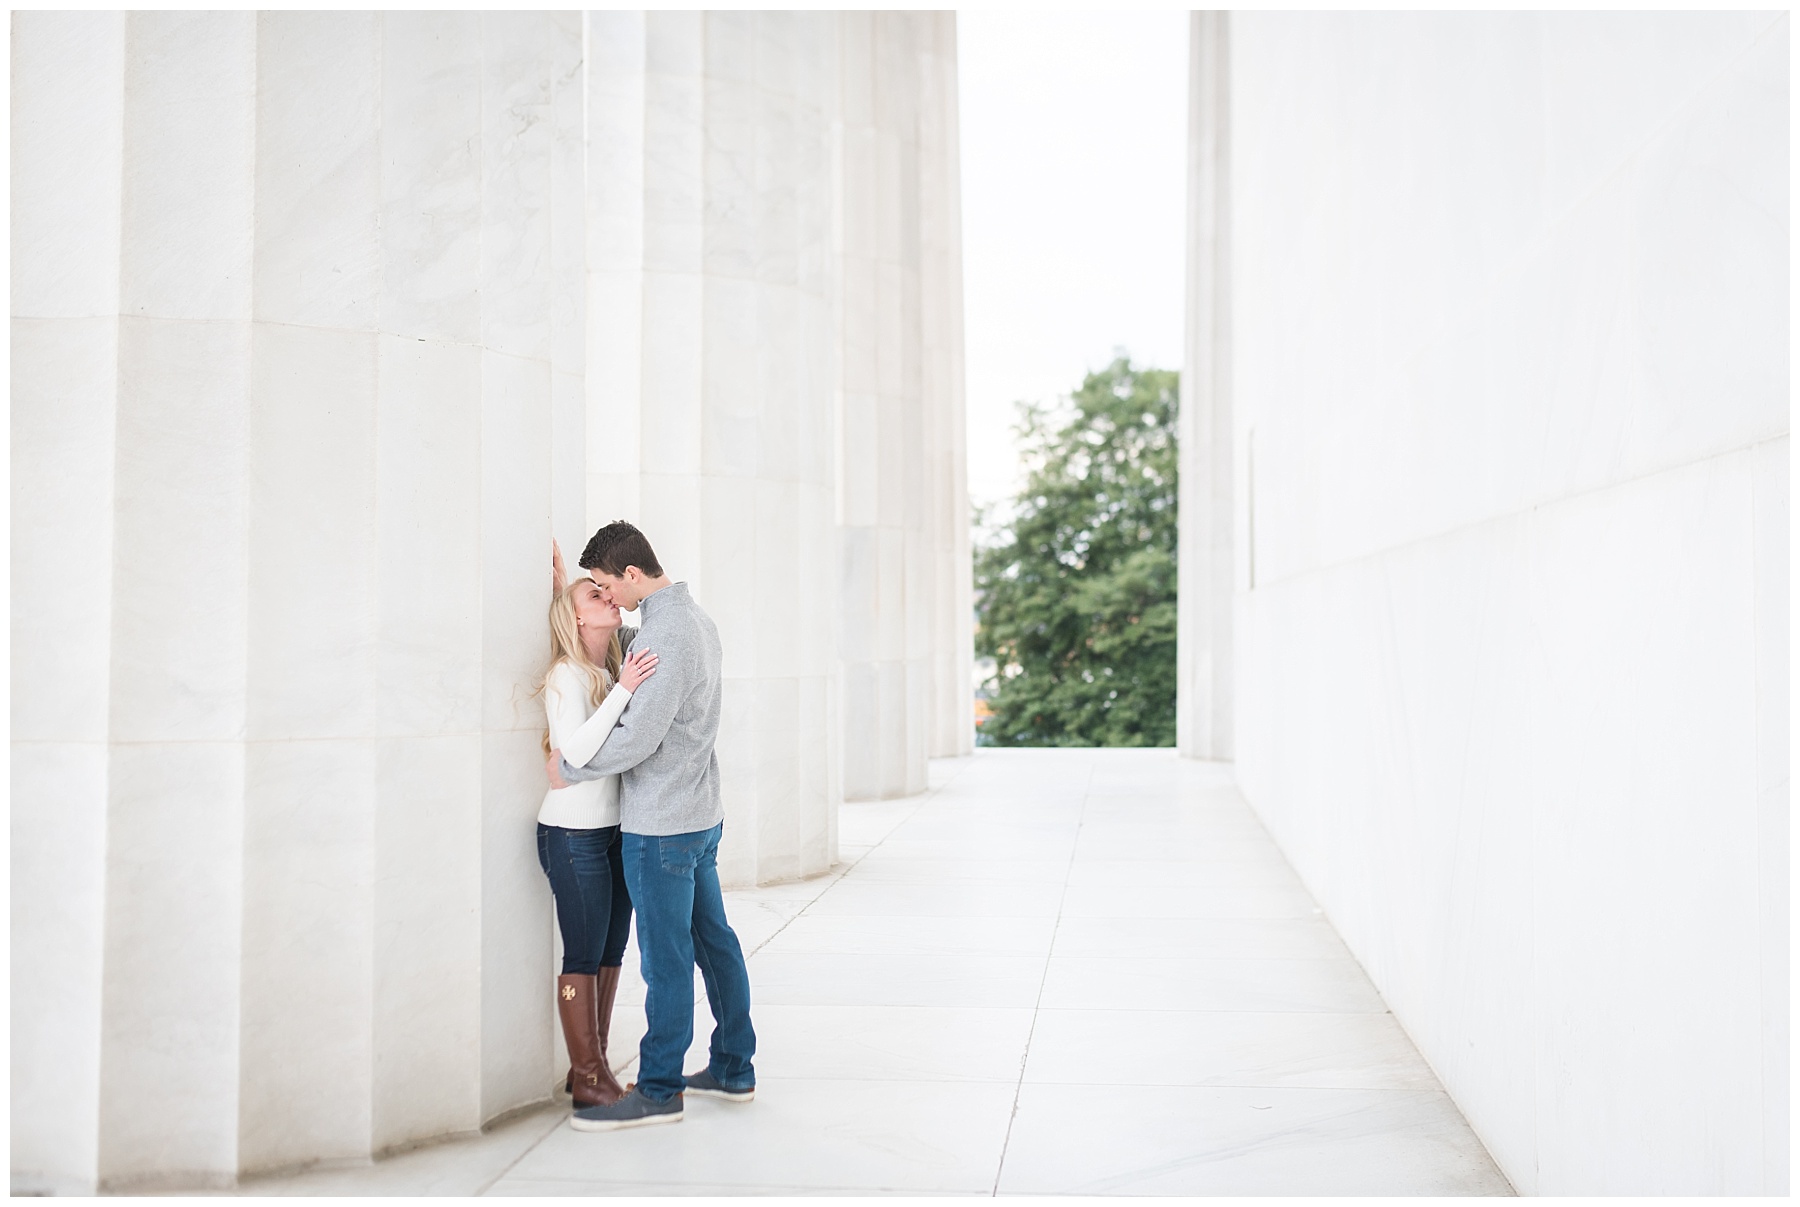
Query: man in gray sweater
{"type": "Point", "coordinates": [670, 818]}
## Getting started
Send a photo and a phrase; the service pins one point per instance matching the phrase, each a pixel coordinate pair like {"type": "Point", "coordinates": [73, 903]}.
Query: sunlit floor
{"type": "Point", "coordinates": [1082, 972]}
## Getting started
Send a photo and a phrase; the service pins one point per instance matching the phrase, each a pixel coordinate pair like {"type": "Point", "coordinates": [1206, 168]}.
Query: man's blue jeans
{"type": "Point", "coordinates": [674, 882]}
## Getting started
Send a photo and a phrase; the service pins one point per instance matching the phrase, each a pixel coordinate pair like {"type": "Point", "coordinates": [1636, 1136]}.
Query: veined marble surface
{"type": "Point", "coordinates": [1057, 972]}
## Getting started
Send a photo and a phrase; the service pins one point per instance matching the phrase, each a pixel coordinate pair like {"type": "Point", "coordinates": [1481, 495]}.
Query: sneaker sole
{"type": "Point", "coordinates": [723, 1095]}
{"type": "Point", "coordinates": [613, 1125]}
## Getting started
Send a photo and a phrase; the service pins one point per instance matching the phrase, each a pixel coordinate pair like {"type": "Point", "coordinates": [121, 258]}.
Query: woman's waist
{"type": "Point", "coordinates": [585, 800]}
{"type": "Point", "coordinates": [584, 790]}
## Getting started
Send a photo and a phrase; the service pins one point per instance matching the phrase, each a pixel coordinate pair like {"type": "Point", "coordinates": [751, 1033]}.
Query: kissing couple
{"type": "Point", "coordinates": [632, 819]}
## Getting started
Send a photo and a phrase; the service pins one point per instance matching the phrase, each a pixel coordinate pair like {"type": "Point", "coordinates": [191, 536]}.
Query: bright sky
{"type": "Point", "coordinates": [1074, 176]}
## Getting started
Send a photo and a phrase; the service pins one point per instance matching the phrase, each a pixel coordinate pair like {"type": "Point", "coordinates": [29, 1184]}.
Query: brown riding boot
{"type": "Point", "coordinates": [592, 1083]}
{"type": "Point", "coordinates": [606, 988]}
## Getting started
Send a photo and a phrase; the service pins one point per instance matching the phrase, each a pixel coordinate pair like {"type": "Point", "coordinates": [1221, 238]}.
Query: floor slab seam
{"type": "Point", "coordinates": [1251, 1087]}
{"type": "Point", "coordinates": [1084, 918]}
{"type": "Point", "coordinates": [844, 870]}
{"type": "Point", "coordinates": [1240, 959]}
{"type": "Point", "coordinates": [1197, 1010]}
{"type": "Point", "coordinates": [514, 1163]}
{"type": "Point", "coordinates": [707, 1189]}
{"type": "Point", "coordinates": [979, 1006]}
{"type": "Point", "coordinates": [1025, 1058]}
{"type": "Point", "coordinates": [908, 1080]}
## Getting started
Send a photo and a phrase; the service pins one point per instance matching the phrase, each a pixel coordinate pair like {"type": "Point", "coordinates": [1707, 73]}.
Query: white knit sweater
{"type": "Point", "coordinates": [579, 730]}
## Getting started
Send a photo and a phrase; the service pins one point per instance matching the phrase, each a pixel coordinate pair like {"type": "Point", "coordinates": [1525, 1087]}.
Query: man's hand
{"type": "Point", "coordinates": [554, 769]}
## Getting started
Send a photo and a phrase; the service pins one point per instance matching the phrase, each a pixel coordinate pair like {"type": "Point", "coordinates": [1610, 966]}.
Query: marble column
{"type": "Point", "coordinates": [1207, 586]}
{"type": "Point", "coordinates": [322, 324]}
{"type": "Point", "coordinates": [68, 85]}
{"type": "Point", "coordinates": [903, 503]}
{"type": "Point", "coordinates": [310, 256]}
{"type": "Point", "coordinates": [951, 708]}
{"type": "Point", "coordinates": [712, 366]}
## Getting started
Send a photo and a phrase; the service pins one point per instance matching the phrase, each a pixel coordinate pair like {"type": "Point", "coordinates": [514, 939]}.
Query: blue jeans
{"type": "Point", "coordinates": [593, 908]}
{"type": "Point", "coordinates": [674, 881]}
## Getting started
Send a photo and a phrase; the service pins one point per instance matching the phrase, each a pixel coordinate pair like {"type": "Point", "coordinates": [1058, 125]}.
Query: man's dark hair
{"type": "Point", "coordinates": [617, 546]}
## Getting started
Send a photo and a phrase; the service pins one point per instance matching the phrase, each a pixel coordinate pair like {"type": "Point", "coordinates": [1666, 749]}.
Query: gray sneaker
{"type": "Point", "coordinates": [633, 1110]}
{"type": "Point", "coordinates": [706, 1085]}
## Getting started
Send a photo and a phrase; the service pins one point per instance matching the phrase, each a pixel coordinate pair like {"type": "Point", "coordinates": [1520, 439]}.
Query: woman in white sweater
{"type": "Point", "coordinates": [589, 682]}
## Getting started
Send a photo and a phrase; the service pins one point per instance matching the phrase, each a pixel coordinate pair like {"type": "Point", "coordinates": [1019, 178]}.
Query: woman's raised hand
{"type": "Point", "coordinates": [559, 577]}
{"type": "Point", "coordinates": [638, 666]}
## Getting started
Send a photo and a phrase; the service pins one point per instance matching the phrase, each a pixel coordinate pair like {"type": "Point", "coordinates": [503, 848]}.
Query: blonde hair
{"type": "Point", "coordinates": [565, 646]}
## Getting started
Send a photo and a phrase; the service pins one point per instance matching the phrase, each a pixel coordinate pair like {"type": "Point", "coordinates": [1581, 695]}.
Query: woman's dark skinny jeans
{"type": "Point", "coordinates": [593, 906]}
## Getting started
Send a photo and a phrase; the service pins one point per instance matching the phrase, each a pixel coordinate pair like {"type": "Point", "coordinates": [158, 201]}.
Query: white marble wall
{"type": "Point", "coordinates": [284, 379]}
{"type": "Point", "coordinates": [1509, 381]}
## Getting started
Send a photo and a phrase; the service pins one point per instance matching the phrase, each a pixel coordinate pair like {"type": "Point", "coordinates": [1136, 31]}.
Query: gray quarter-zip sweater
{"type": "Point", "coordinates": [663, 743]}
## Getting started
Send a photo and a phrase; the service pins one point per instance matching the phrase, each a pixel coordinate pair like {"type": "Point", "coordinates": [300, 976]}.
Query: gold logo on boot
{"type": "Point", "coordinates": [568, 993]}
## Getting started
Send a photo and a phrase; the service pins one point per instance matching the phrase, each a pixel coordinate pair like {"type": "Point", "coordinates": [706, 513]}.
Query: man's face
{"type": "Point", "coordinates": [619, 590]}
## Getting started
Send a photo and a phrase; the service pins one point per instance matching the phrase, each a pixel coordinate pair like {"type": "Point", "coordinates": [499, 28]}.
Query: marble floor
{"type": "Point", "coordinates": [1057, 972]}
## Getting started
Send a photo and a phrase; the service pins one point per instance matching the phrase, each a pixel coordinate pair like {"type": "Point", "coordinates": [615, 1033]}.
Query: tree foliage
{"type": "Point", "coordinates": [1076, 603]}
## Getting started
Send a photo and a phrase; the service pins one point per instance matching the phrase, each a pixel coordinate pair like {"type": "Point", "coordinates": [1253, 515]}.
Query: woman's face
{"type": "Point", "coordinates": [592, 613]}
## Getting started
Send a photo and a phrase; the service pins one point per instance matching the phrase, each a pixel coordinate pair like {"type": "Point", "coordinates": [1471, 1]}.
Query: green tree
{"type": "Point", "coordinates": [1076, 603]}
